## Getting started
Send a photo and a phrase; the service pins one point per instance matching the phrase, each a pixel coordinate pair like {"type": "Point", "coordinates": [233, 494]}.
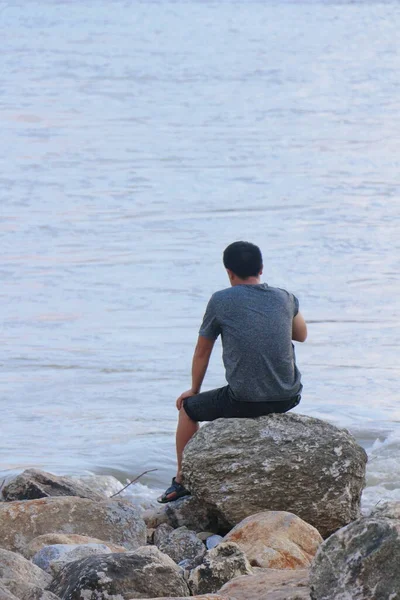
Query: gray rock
{"type": "Point", "coordinates": [213, 541]}
{"type": "Point", "coordinates": [161, 533]}
{"type": "Point", "coordinates": [360, 561]}
{"type": "Point", "coordinates": [220, 565]}
{"type": "Point", "coordinates": [16, 568]}
{"type": "Point", "coordinates": [33, 484]}
{"type": "Point", "coordinates": [284, 462]}
{"type": "Point", "coordinates": [187, 511]}
{"type": "Point", "coordinates": [189, 564]}
{"type": "Point", "coordinates": [146, 572]}
{"type": "Point", "coordinates": [115, 521]}
{"type": "Point", "coordinates": [53, 558]}
{"type": "Point", "coordinates": [181, 544]}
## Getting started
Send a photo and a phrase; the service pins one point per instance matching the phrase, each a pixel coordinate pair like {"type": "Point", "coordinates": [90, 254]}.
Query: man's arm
{"type": "Point", "coordinates": [299, 328]}
{"type": "Point", "coordinates": [201, 358]}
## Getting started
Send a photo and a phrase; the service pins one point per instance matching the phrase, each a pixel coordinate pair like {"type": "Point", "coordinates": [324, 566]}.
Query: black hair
{"type": "Point", "coordinates": [243, 259]}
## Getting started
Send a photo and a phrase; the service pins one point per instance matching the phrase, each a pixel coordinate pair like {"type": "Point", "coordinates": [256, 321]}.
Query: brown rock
{"type": "Point", "coordinates": [115, 521]}
{"type": "Point", "coordinates": [276, 539]}
{"type": "Point", "coordinates": [50, 539]}
{"type": "Point", "coordinates": [269, 584]}
{"type": "Point", "coordinates": [33, 484]}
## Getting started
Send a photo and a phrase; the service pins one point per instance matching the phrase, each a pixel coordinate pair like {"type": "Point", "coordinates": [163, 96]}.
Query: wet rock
{"type": "Point", "coordinates": [359, 561]}
{"type": "Point", "coordinates": [285, 462]}
{"type": "Point", "coordinates": [389, 510]}
{"type": "Point", "coordinates": [146, 572]}
{"type": "Point", "coordinates": [277, 540]}
{"type": "Point", "coordinates": [53, 558]}
{"type": "Point", "coordinates": [181, 544]}
{"type": "Point", "coordinates": [50, 539]}
{"type": "Point", "coordinates": [115, 521]}
{"type": "Point", "coordinates": [33, 484]}
{"type": "Point", "coordinates": [17, 568]}
{"type": "Point", "coordinates": [187, 511]}
{"type": "Point", "coordinates": [269, 584]}
{"type": "Point", "coordinates": [221, 564]}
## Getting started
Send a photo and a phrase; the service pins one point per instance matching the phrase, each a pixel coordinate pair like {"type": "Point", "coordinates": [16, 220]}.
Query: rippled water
{"type": "Point", "coordinates": [138, 140]}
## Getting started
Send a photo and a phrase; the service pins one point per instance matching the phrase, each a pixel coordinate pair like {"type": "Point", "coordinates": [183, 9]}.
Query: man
{"type": "Point", "coordinates": [257, 324]}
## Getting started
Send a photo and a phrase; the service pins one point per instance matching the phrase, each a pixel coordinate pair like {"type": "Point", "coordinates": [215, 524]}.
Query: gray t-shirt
{"type": "Point", "coordinates": [255, 323]}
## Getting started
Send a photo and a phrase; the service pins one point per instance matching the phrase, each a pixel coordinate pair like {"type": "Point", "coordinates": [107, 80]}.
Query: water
{"type": "Point", "coordinates": [138, 140]}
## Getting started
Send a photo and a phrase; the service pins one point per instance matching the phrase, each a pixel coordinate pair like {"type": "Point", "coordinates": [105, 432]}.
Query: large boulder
{"type": "Point", "coordinates": [33, 484]}
{"type": "Point", "coordinates": [115, 521]}
{"type": "Point", "coordinates": [51, 539]}
{"type": "Point", "coordinates": [277, 540]}
{"type": "Point", "coordinates": [269, 584]}
{"type": "Point", "coordinates": [221, 564]}
{"type": "Point", "coordinates": [360, 561]}
{"type": "Point", "coordinates": [285, 462]}
{"type": "Point", "coordinates": [146, 572]}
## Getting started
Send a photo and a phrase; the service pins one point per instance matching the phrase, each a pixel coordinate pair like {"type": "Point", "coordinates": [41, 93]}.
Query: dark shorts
{"type": "Point", "coordinates": [215, 404]}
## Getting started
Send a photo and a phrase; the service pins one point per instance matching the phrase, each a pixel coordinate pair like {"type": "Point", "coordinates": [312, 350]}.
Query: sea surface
{"type": "Point", "coordinates": [138, 139]}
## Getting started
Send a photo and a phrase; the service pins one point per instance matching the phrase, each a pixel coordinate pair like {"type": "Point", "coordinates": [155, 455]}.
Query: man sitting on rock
{"type": "Point", "coordinates": [257, 324]}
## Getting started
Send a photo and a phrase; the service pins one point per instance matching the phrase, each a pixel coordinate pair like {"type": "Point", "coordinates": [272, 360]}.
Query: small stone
{"type": "Point", "coordinates": [213, 541]}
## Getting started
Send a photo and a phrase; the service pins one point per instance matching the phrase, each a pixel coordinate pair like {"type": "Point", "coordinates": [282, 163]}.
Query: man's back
{"type": "Point", "coordinates": [255, 322]}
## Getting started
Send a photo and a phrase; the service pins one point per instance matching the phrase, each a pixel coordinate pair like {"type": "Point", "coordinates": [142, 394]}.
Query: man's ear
{"type": "Point", "coordinates": [261, 270]}
{"type": "Point", "coordinates": [231, 275]}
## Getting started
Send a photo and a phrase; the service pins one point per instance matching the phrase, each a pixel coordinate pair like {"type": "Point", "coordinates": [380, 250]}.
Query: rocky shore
{"type": "Point", "coordinates": [274, 515]}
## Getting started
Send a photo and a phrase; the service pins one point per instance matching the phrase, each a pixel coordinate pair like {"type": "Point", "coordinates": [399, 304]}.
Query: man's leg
{"type": "Point", "coordinates": [184, 432]}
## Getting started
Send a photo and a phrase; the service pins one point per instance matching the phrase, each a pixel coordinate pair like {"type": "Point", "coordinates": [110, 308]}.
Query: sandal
{"type": "Point", "coordinates": [175, 491]}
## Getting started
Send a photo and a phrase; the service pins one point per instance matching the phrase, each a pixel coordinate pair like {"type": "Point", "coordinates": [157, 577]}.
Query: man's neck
{"type": "Point", "coordinates": [248, 281]}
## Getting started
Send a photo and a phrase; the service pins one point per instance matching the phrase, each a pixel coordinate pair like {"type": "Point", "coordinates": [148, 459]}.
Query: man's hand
{"type": "Point", "coordinates": [181, 398]}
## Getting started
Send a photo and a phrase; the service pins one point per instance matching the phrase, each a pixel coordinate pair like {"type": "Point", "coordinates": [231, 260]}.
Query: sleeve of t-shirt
{"type": "Point", "coordinates": [210, 327]}
{"type": "Point", "coordinates": [296, 305]}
